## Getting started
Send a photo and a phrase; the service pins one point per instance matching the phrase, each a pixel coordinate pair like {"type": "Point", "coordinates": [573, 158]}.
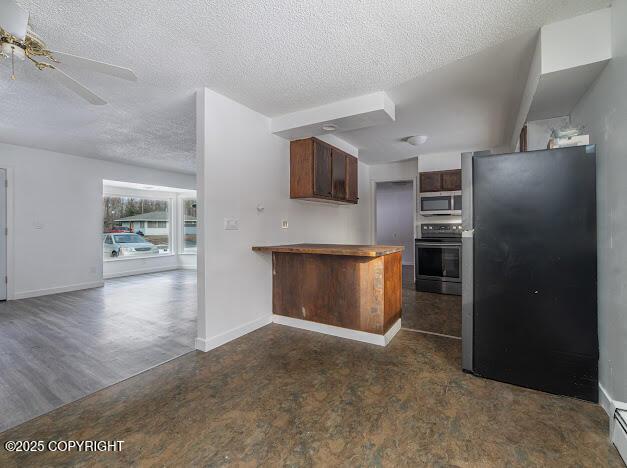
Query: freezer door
{"type": "Point", "coordinates": [535, 279]}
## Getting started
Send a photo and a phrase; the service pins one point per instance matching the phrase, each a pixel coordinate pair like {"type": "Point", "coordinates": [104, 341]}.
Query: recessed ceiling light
{"type": "Point", "coordinates": [329, 127]}
{"type": "Point", "coordinates": [417, 140]}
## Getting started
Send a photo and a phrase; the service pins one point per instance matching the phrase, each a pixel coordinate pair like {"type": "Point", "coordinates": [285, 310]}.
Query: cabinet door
{"type": "Point", "coordinates": [322, 170]}
{"type": "Point", "coordinates": [452, 180]}
{"type": "Point", "coordinates": [351, 179]}
{"type": "Point", "coordinates": [339, 174]}
{"type": "Point", "coordinates": [430, 181]}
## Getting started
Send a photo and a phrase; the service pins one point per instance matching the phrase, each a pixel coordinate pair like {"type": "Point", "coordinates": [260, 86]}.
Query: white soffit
{"type": "Point", "coordinates": [116, 184]}
{"type": "Point", "coordinates": [349, 114]}
{"type": "Point", "coordinates": [569, 56]}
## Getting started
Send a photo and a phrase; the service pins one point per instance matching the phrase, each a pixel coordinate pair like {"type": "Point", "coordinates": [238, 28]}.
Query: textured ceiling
{"type": "Point", "coordinates": [467, 105]}
{"type": "Point", "coordinates": [275, 56]}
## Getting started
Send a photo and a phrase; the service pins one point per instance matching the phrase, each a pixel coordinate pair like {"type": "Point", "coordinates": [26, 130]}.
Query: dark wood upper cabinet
{"type": "Point", "coordinates": [441, 181]}
{"type": "Point", "coordinates": [339, 174]}
{"type": "Point", "coordinates": [430, 182]}
{"type": "Point", "coordinates": [323, 182]}
{"type": "Point", "coordinates": [352, 186]}
{"type": "Point", "coordinates": [319, 171]}
{"type": "Point", "coordinates": [452, 180]}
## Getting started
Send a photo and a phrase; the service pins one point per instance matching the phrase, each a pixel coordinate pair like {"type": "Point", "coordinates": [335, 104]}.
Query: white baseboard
{"type": "Point", "coordinates": [207, 344]}
{"type": "Point", "coordinates": [608, 403]}
{"type": "Point", "coordinates": [619, 437]}
{"type": "Point", "coordinates": [141, 271]}
{"type": "Point", "coordinates": [58, 290]}
{"type": "Point", "coordinates": [617, 434]}
{"type": "Point", "coordinates": [187, 267]}
{"type": "Point", "coordinates": [372, 338]}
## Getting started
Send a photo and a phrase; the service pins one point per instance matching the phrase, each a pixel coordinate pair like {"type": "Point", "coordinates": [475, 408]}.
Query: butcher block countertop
{"type": "Point", "coordinates": [333, 249]}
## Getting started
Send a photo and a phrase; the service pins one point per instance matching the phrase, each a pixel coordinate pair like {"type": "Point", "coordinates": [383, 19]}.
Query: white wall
{"type": "Point", "coordinates": [440, 161]}
{"type": "Point", "coordinates": [242, 165]}
{"type": "Point", "coordinates": [603, 111]}
{"type": "Point", "coordinates": [401, 170]}
{"type": "Point", "coordinates": [56, 242]}
{"type": "Point", "coordinates": [395, 216]}
{"type": "Point", "coordinates": [576, 41]}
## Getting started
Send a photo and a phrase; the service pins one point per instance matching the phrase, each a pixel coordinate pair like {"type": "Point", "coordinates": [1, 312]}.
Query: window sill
{"type": "Point", "coordinates": [138, 257]}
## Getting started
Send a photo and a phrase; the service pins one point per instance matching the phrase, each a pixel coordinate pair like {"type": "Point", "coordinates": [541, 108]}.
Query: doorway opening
{"type": "Point", "coordinates": [3, 235]}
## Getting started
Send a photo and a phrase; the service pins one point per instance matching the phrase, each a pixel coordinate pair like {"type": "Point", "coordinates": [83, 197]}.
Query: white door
{"type": "Point", "coordinates": [3, 234]}
{"type": "Point", "coordinates": [395, 216]}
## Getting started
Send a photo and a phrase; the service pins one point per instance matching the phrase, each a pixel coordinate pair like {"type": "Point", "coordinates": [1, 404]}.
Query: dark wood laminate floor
{"type": "Point", "coordinates": [286, 397]}
{"type": "Point", "coordinates": [57, 349]}
{"type": "Point", "coordinates": [434, 313]}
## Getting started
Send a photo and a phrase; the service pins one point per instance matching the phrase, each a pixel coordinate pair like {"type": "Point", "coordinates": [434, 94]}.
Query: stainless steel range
{"type": "Point", "coordinates": [438, 258]}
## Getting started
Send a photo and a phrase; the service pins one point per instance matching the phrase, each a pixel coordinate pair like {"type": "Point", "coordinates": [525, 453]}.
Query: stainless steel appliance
{"type": "Point", "coordinates": [440, 203]}
{"type": "Point", "coordinates": [438, 258]}
{"type": "Point", "coordinates": [529, 299]}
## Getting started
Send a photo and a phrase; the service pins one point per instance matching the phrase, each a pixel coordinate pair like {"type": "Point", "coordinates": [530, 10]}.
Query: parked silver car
{"type": "Point", "coordinates": [124, 244]}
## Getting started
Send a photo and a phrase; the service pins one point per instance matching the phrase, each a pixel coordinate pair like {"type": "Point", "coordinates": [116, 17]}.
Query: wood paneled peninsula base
{"type": "Point", "coordinates": [351, 291]}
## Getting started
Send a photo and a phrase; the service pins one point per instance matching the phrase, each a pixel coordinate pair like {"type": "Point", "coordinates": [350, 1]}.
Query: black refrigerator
{"type": "Point", "coordinates": [529, 275]}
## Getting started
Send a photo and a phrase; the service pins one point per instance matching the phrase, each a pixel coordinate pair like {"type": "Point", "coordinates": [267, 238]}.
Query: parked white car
{"type": "Point", "coordinates": [126, 243]}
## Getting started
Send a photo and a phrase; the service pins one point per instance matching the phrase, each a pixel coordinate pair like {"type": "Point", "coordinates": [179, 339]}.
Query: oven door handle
{"type": "Point", "coordinates": [436, 245]}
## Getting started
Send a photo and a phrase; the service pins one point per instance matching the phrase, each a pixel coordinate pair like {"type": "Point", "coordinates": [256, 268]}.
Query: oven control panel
{"type": "Point", "coordinates": [441, 229]}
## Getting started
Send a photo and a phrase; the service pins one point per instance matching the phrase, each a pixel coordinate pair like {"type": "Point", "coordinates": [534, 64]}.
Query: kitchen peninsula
{"type": "Point", "coordinates": [352, 291]}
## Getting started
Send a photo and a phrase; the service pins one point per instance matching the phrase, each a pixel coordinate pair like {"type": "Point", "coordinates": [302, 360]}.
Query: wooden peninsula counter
{"type": "Point", "coordinates": [353, 291]}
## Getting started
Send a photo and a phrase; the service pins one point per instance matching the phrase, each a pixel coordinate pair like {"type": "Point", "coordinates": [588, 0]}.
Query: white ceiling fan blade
{"type": "Point", "coordinates": [70, 83]}
{"type": "Point", "coordinates": [13, 18]}
{"type": "Point", "coordinates": [100, 67]}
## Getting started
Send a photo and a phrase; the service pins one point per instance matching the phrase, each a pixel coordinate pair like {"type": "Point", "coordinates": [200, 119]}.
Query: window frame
{"type": "Point", "coordinates": [181, 226]}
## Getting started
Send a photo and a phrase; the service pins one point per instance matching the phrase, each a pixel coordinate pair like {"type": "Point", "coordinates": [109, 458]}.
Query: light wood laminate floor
{"type": "Point", "coordinates": [59, 348]}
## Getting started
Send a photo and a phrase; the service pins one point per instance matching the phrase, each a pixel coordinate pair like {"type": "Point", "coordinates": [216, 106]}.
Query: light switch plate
{"type": "Point", "coordinates": [231, 224]}
{"type": "Point", "coordinates": [284, 224]}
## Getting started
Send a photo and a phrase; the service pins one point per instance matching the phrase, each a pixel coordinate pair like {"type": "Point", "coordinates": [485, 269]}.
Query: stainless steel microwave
{"type": "Point", "coordinates": [441, 203]}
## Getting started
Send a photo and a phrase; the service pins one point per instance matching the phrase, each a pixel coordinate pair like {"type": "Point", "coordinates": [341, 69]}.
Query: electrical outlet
{"type": "Point", "coordinates": [284, 224]}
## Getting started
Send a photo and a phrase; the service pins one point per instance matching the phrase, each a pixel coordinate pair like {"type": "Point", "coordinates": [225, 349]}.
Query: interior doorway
{"type": "Point", "coordinates": [394, 215]}
{"type": "Point", "coordinates": [3, 234]}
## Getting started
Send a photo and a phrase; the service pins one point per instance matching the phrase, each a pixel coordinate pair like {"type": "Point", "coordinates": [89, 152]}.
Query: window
{"type": "Point", "coordinates": [189, 226]}
{"type": "Point", "coordinates": [135, 227]}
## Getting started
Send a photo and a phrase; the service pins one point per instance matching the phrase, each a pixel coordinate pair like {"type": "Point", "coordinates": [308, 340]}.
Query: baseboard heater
{"type": "Point", "coordinates": [619, 434]}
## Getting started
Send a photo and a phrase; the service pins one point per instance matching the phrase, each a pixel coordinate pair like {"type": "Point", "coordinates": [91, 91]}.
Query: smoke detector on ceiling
{"type": "Point", "coordinates": [329, 127]}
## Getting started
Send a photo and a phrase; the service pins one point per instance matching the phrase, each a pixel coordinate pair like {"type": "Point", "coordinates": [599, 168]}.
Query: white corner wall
{"type": "Point", "coordinates": [603, 111]}
{"type": "Point", "coordinates": [56, 230]}
{"type": "Point", "coordinates": [243, 165]}
{"type": "Point", "coordinates": [440, 161]}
